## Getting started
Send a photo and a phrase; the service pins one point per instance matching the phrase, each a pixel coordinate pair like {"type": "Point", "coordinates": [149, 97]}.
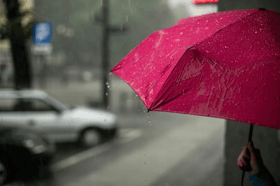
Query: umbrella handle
{"type": "Point", "coordinates": [249, 139]}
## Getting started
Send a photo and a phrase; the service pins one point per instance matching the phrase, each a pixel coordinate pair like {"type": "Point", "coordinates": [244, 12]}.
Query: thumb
{"type": "Point", "coordinates": [252, 150]}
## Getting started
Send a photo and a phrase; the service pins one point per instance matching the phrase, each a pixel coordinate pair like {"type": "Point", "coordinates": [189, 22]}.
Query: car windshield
{"type": "Point", "coordinates": [56, 104]}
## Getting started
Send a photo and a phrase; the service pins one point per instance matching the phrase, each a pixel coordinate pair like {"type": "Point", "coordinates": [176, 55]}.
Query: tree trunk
{"type": "Point", "coordinates": [18, 46]}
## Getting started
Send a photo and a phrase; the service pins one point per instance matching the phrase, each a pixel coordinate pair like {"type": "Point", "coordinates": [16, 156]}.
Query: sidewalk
{"type": "Point", "coordinates": [191, 159]}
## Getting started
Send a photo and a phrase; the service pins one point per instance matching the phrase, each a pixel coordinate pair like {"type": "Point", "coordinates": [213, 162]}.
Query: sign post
{"type": "Point", "coordinates": [42, 38]}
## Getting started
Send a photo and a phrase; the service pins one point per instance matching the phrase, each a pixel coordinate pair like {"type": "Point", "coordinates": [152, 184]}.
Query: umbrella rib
{"type": "Point", "coordinates": [156, 97]}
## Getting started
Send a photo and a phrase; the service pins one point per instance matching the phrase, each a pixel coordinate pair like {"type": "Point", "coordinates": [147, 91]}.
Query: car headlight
{"type": "Point", "coordinates": [35, 146]}
{"type": "Point", "coordinates": [39, 149]}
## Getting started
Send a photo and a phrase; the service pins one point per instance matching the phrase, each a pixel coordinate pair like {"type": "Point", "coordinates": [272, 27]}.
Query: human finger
{"type": "Point", "coordinates": [243, 158]}
{"type": "Point", "coordinates": [244, 153]}
{"type": "Point", "coordinates": [252, 151]}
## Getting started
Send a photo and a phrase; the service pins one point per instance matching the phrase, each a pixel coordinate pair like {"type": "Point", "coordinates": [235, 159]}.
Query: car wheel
{"type": "Point", "coordinates": [3, 173]}
{"type": "Point", "coordinates": [90, 138]}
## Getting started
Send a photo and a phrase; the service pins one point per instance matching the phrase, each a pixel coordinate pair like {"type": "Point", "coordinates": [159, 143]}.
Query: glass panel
{"type": "Point", "coordinates": [7, 105]}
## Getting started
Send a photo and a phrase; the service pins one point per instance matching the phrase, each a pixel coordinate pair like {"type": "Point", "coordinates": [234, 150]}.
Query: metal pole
{"type": "Point", "coordinates": [105, 52]}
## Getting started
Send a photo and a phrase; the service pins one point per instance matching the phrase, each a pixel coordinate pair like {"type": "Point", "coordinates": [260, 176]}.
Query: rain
{"type": "Point", "coordinates": [140, 93]}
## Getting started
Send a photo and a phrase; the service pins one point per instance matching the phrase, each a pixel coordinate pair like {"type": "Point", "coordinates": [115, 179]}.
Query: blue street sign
{"type": "Point", "coordinates": [42, 33]}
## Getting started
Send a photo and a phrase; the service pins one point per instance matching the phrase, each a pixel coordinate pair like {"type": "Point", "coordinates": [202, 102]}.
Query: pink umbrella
{"type": "Point", "coordinates": [223, 65]}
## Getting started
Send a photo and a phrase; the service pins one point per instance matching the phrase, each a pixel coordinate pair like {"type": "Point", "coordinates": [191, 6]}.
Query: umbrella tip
{"type": "Point", "coordinates": [262, 9]}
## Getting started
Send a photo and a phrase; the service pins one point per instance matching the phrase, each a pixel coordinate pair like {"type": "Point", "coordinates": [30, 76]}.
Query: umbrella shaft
{"type": "Point", "coordinates": [251, 132]}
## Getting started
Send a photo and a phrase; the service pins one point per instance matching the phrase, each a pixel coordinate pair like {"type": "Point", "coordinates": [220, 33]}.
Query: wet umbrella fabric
{"type": "Point", "coordinates": [224, 65]}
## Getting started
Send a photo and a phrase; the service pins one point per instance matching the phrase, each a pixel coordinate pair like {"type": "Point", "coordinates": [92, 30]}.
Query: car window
{"type": "Point", "coordinates": [36, 105]}
{"type": "Point", "coordinates": [19, 105]}
{"type": "Point", "coordinates": [7, 104]}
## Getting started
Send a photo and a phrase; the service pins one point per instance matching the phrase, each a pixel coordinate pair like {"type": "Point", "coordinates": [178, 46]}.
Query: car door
{"type": "Point", "coordinates": [43, 117]}
{"type": "Point", "coordinates": [52, 121]}
{"type": "Point", "coordinates": [33, 113]}
{"type": "Point", "coordinates": [12, 112]}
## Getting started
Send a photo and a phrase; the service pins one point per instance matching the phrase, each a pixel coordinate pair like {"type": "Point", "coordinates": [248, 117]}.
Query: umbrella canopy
{"type": "Point", "coordinates": [224, 65]}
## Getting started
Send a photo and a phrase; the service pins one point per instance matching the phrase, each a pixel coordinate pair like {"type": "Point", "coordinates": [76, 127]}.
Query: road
{"type": "Point", "coordinates": [152, 149]}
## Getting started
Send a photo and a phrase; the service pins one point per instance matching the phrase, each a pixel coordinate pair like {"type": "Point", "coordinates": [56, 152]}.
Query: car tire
{"type": "Point", "coordinates": [5, 174]}
{"type": "Point", "coordinates": [90, 138]}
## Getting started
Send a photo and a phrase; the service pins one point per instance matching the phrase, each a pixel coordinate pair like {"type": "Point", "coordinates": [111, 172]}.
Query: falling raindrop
{"type": "Point", "coordinates": [130, 6]}
{"type": "Point", "coordinates": [106, 94]}
{"type": "Point", "coordinates": [149, 119]}
{"type": "Point", "coordinates": [144, 109]}
{"type": "Point", "coordinates": [126, 18]}
{"type": "Point", "coordinates": [110, 73]}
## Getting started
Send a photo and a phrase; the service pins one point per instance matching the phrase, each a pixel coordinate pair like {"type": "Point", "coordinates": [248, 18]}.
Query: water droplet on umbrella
{"type": "Point", "coordinates": [256, 32]}
{"type": "Point", "coordinates": [181, 33]}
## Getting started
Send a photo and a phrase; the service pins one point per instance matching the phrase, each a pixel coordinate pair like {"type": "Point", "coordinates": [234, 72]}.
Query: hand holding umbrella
{"type": "Point", "coordinates": [250, 160]}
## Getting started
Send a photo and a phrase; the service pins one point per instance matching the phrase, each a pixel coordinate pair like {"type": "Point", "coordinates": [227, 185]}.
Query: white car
{"type": "Point", "coordinates": [60, 122]}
